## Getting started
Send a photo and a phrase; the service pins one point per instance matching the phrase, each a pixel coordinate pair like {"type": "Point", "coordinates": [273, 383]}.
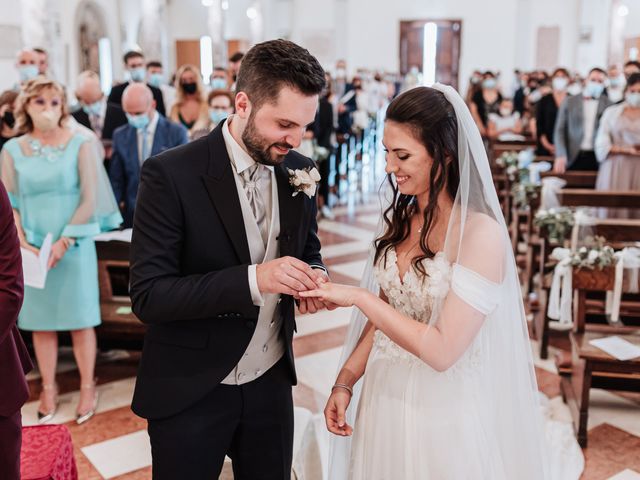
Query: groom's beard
{"type": "Point", "coordinates": [258, 148]}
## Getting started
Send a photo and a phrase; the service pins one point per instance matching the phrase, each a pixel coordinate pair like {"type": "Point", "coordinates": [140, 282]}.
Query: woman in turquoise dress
{"type": "Point", "coordinates": [57, 185]}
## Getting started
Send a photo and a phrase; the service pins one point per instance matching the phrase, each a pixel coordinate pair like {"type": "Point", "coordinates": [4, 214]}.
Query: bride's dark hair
{"type": "Point", "coordinates": [432, 120]}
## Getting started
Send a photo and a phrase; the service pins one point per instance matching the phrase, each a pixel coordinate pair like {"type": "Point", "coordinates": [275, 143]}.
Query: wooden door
{"type": "Point", "coordinates": [447, 48]}
{"type": "Point", "coordinates": [188, 51]}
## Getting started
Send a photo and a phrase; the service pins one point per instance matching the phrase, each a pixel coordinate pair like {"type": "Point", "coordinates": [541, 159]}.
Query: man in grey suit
{"type": "Point", "coordinates": [577, 125]}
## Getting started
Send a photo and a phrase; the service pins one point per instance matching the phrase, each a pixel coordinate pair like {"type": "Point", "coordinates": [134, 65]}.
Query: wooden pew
{"type": "Point", "coordinates": [620, 232]}
{"type": "Point", "coordinates": [592, 367]}
{"type": "Point", "coordinates": [585, 197]}
{"type": "Point", "coordinates": [574, 179]}
{"type": "Point", "coordinates": [119, 325]}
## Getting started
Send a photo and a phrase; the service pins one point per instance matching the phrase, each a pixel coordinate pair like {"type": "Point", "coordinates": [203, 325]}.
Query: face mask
{"type": "Point", "coordinates": [475, 80]}
{"type": "Point", "coordinates": [341, 73]}
{"type": "Point", "coordinates": [217, 116]}
{"type": "Point", "coordinates": [8, 119]}
{"type": "Point", "coordinates": [617, 82]}
{"type": "Point", "coordinates": [27, 72]}
{"type": "Point", "coordinates": [574, 89]}
{"type": "Point", "coordinates": [156, 79]}
{"type": "Point", "coordinates": [633, 99]}
{"type": "Point", "coordinates": [489, 83]}
{"type": "Point", "coordinates": [189, 88]}
{"type": "Point", "coordinates": [138, 122]}
{"type": "Point", "coordinates": [137, 74]}
{"type": "Point", "coordinates": [93, 109]}
{"type": "Point", "coordinates": [559, 84]}
{"type": "Point", "coordinates": [535, 96]}
{"type": "Point", "coordinates": [505, 112]}
{"type": "Point", "coordinates": [593, 89]}
{"type": "Point", "coordinates": [46, 120]}
{"type": "Point", "coordinates": [218, 84]}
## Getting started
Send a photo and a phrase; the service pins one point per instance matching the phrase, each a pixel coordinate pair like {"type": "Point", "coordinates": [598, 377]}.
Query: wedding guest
{"type": "Point", "coordinates": [323, 132]}
{"type": "Point", "coordinates": [7, 119]}
{"type": "Point", "coordinates": [95, 112]}
{"type": "Point", "coordinates": [506, 123]}
{"type": "Point", "coordinates": [617, 147]}
{"type": "Point", "coordinates": [135, 65]}
{"type": "Point", "coordinates": [14, 358]}
{"type": "Point", "coordinates": [218, 79]}
{"type": "Point", "coordinates": [577, 124]}
{"type": "Point", "coordinates": [147, 133]}
{"type": "Point", "coordinates": [234, 68]}
{"type": "Point", "coordinates": [475, 85]}
{"type": "Point", "coordinates": [632, 66]}
{"type": "Point", "coordinates": [190, 108]}
{"type": "Point", "coordinates": [57, 186]}
{"type": "Point", "coordinates": [485, 101]}
{"type": "Point", "coordinates": [547, 112]}
{"type": "Point", "coordinates": [26, 65]}
{"type": "Point", "coordinates": [156, 78]}
{"type": "Point", "coordinates": [43, 61]}
{"type": "Point", "coordinates": [220, 106]}
{"type": "Point", "coordinates": [617, 83]}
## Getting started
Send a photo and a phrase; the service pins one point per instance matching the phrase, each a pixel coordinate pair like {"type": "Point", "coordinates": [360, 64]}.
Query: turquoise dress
{"type": "Point", "coordinates": [55, 190]}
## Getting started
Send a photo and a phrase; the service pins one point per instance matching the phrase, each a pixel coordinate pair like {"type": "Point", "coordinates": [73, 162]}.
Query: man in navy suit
{"type": "Point", "coordinates": [146, 134]}
{"type": "Point", "coordinates": [14, 358]}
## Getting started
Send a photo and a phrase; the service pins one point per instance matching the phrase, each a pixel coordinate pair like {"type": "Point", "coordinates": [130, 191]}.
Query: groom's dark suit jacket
{"type": "Point", "coordinates": [189, 279]}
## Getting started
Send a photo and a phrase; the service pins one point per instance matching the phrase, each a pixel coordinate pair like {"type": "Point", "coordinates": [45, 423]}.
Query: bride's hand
{"type": "Point", "coordinates": [334, 413]}
{"type": "Point", "coordinates": [334, 293]}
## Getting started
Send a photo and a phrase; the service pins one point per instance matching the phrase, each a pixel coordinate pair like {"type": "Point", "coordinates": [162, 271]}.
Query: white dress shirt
{"type": "Point", "coordinates": [151, 133]}
{"type": "Point", "coordinates": [590, 110]}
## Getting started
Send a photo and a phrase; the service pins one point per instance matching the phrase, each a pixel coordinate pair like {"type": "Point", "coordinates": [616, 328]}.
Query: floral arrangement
{"type": "Point", "coordinates": [510, 162]}
{"type": "Point", "coordinates": [596, 255]}
{"type": "Point", "coordinates": [558, 222]}
{"type": "Point", "coordinates": [524, 191]}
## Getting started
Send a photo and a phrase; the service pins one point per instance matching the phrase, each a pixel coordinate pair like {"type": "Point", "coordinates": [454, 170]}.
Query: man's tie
{"type": "Point", "coordinates": [145, 145]}
{"type": "Point", "coordinates": [250, 177]}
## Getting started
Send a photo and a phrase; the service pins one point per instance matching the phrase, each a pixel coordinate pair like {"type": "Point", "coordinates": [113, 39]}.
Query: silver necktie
{"type": "Point", "coordinates": [250, 177]}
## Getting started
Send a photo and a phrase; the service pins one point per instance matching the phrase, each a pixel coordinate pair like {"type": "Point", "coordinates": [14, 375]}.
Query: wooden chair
{"type": "Point", "coordinates": [592, 367]}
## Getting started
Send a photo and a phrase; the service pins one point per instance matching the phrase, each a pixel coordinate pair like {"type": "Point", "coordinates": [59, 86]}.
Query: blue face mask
{"type": "Point", "coordinates": [218, 84]}
{"type": "Point", "coordinates": [593, 89]}
{"type": "Point", "coordinates": [137, 74]}
{"type": "Point", "coordinates": [633, 99]}
{"type": "Point", "coordinates": [27, 72]}
{"type": "Point", "coordinates": [139, 122]}
{"type": "Point", "coordinates": [489, 83]}
{"type": "Point", "coordinates": [156, 79]}
{"type": "Point", "coordinates": [93, 108]}
{"type": "Point", "coordinates": [217, 116]}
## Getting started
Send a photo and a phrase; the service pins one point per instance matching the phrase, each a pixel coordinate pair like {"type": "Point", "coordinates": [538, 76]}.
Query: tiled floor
{"type": "Point", "coordinates": [114, 444]}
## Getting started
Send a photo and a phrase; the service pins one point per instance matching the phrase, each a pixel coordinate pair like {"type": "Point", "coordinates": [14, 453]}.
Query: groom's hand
{"type": "Point", "coordinates": [313, 305]}
{"type": "Point", "coordinates": [286, 275]}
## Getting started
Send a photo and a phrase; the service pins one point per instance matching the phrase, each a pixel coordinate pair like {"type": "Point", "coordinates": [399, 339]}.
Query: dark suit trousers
{"type": "Point", "coordinates": [251, 423]}
{"type": "Point", "coordinates": [10, 443]}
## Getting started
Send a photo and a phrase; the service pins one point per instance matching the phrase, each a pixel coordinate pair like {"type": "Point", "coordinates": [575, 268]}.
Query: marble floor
{"type": "Point", "coordinates": [114, 444]}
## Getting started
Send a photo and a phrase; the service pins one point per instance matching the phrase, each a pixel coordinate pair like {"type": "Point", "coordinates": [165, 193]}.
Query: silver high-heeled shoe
{"type": "Point", "coordinates": [48, 416]}
{"type": "Point", "coordinates": [82, 418]}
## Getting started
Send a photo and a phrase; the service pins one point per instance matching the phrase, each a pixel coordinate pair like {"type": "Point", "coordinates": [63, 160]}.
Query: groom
{"type": "Point", "coordinates": [220, 248]}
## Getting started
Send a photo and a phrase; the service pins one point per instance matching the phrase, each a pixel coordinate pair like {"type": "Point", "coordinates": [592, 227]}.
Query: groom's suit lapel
{"type": "Point", "coordinates": [290, 212]}
{"type": "Point", "coordinates": [222, 190]}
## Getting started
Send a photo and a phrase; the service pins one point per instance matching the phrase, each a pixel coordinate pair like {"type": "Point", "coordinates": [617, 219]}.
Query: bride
{"type": "Point", "coordinates": [448, 389]}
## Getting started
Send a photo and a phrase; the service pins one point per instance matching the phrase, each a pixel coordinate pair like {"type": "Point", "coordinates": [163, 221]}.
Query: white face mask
{"type": "Point", "coordinates": [505, 112]}
{"type": "Point", "coordinates": [45, 120]}
{"type": "Point", "coordinates": [559, 84]}
{"type": "Point", "coordinates": [574, 89]}
{"type": "Point", "coordinates": [633, 99]}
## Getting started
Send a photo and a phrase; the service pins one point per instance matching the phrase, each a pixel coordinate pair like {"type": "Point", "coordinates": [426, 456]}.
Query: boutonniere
{"type": "Point", "coordinates": [304, 180]}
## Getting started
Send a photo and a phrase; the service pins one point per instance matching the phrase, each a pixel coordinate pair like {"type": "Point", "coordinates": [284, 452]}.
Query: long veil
{"type": "Point", "coordinates": [509, 399]}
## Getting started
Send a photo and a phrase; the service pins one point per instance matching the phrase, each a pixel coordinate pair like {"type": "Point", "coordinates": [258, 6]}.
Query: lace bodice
{"type": "Point", "coordinates": [415, 296]}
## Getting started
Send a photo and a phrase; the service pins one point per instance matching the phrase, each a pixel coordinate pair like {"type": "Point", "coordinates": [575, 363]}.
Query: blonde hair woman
{"type": "Point", "coordinates": [190, 108]}
{"type": "Point", "coordinates": [57, 186]}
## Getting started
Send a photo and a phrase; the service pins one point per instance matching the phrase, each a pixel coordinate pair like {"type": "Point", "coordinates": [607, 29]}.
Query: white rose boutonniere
{"type": "Point", "coordinates": [304, 180]}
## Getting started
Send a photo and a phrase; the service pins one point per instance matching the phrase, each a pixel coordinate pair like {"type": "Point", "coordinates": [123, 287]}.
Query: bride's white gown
{"type": "Point", "coordinates": [414, 422]}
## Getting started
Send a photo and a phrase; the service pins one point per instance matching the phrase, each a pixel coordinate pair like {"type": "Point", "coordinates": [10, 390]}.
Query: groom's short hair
{"type": "Point", "coordinates": [269, 66]}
